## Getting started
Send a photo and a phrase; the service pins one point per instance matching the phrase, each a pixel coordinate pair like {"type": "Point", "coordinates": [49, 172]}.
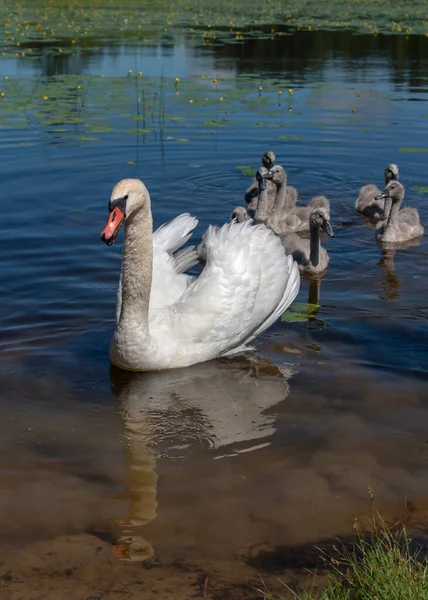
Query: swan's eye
{"type": "Point", "coordinates": [125, 197]}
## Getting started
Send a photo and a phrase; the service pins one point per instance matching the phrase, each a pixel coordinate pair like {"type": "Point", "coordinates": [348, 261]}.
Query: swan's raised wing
{"type": "Point", "coordinates": [169, 263]}
{"type": "Point", "coordinates": [247, 283]}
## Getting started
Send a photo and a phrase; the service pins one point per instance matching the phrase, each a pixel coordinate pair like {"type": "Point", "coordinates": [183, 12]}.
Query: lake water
{"type": "Point", "coordinates": [225, 470]}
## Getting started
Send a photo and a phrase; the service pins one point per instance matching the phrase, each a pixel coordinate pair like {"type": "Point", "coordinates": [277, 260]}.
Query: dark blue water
{"type": "Point", "coordinates": [328, 407]}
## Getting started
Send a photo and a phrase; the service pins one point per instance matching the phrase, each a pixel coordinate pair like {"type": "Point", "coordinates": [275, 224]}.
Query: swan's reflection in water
{"type": "Point", "coordinates": [222, 404]}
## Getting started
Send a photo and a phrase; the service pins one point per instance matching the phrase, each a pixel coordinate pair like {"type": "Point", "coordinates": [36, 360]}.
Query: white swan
{"type": "Point", "coordinates": [402, 225]}
{"type": "Point", "coordinates": [247, 283]}
{"type": "Point", "coordinates": [368, 202]}
{"type": "Point", "coordinates": [239, 214]}
{"type": "Point", "coordinates": [309, 254]}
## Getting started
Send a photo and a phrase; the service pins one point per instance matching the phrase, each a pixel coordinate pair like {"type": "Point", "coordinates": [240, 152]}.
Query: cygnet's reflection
{"type": "Point", "coordinates": [314, 289]}
{"type": "Point", "coordinates": [391, 282]}
{"type": "Point", "coordinates": [223, 403]}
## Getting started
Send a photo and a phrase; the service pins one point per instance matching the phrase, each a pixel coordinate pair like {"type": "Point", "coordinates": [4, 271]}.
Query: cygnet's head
{"type": "Point", "coordinates": [239, 214]}
{"type": "Point", "coordinates": [268, 159]}
{"type": "Point", "coordinates": [394, 191]}
{"type": "Point", "coordinates": [277, 175]}
{"type": "Point", "coordinates": [128, 196]}
{"type": "Point", "coordinates": [321, 218]}
{"type": "Point", "coordinates": [391, 172]}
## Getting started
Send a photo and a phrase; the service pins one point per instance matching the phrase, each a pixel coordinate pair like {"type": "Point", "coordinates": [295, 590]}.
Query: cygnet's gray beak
{"type": "Point", "coordinates": [328, 228]}
{"type": "Point", "coordinates": [262, 179]}
{"type": "Point", "coordinates": [384, 194]}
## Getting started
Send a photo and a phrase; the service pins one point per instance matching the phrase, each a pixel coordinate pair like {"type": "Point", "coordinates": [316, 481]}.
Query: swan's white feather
{"type": "Point", "coordinates": [185, 259]}
{"type": "Point", "coordinates": [247, 283]}
{"type": "Point", "coordinates": [169, 281]}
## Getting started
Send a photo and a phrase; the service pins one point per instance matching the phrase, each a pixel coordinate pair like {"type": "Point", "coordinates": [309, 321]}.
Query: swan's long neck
{"type": "Point", "coordinates": [136, 273]}
{"type": "Point", "coordinates": [314, 245]}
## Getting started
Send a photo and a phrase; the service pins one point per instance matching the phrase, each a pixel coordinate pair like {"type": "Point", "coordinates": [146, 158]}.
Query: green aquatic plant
{"type": "Point", "coordinates": [246, 169]}
{"type": "Point", "coordinates": [416, 150]}
{"type": "Point", "coordinates": [60, 26]}
{"type": "Point", "coordinates": [300, 312]}
{"type": "Point", "coordinates": [132, 104]}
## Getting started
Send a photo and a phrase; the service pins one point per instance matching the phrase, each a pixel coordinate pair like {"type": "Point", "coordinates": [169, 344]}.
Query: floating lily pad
{"type": "Point", "coordinates": [99, 128]}
{"type": "Point", "coordinates": [216, 123]}
{"type": "Point", "coordinates": [292, 317]}
{"type": "Point", "coordinates": [246, 169]}
{"type": "Point", "coordinates": [84, 138]}
{"type": "Point", "coordinates": [413, 149]}
{"type": "Point", "coordinates": [138, 131]}
{"type": "Point", "coordinates": [300, 312]}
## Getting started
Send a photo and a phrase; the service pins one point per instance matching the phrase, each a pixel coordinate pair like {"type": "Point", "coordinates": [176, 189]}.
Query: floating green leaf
{"type": "Point", "coordinates": [99, 128]}
{"type": "Point", "coordinates": [84, 138]}
{"type": "Point", "coordinates": [292, 317]}
{"type": "Point", "coordinates": [216, 123]}
{"type": "Point", "coordinates": [300, 312]}
{"type": "Point", "coordinates": [413, 149]}
{"type": "Point", "coordinates": [245, 169]}
{"type": "Point", "coordinates": [138, 131]}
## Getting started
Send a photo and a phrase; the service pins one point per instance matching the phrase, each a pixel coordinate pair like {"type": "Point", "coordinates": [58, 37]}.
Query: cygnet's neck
{"type": "Point", "coordinates": [388, 177]}
{"type": "Point", "coordinates": [387, 202]}
{"type": "Point", "coordinates": [387, 208]}
{"type": "Point", "coordinates": [137, 268]}
{"type": "Point", "coordinates": [393, 214]}
{"type": "Point", "coordinates": [314, 245]}
{"type": "Point", "coordinates": [265, 203]}
{"type": "Point", "coordinates": [282, 203]}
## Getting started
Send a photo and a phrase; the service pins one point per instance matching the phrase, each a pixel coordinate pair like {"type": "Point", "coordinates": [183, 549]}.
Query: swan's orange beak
{"type": "Point", "coordinates": [111, 229]}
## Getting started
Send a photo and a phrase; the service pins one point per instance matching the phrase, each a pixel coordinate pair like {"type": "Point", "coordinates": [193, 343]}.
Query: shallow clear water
{"type": "Point", "coordinates": [280, 447]}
